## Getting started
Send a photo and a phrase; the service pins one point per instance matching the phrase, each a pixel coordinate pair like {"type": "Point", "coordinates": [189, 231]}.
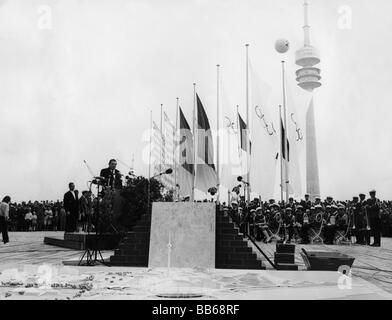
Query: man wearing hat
{"type": "Point", "coordinates": [262, 226]}
{"type": "Point", "coordinates": [365, 221]}
{"type": "Point", "coordinates": [288, 223]}
{"type": "Point", "coordinates": [306, 204]}
{"type": "Point", "coordinates": [373, 210]}
{"type": "Point", "coordinates": [329, 201]}
{"type": "Point", "coordinates": [358, 222]}
{"type": "Point", "coordinates": [291, 203]}
{"type": "Point", "coordinates": [317, 200]}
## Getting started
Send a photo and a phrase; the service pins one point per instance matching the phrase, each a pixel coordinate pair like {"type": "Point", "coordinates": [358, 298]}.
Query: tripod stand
{"type": "Point", "coordinates": [94, 255]}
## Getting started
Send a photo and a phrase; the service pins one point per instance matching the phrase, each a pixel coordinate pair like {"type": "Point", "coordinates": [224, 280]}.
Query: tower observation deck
{"type": "Point", "coordinates": [308, 77]}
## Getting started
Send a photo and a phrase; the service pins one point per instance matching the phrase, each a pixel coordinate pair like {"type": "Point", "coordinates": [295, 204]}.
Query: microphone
{"type": "Point", "coordinates": [168, 171]}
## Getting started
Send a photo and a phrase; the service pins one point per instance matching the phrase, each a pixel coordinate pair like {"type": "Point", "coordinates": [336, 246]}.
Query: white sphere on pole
{"type": "Point", "coordinates": [282, 45]}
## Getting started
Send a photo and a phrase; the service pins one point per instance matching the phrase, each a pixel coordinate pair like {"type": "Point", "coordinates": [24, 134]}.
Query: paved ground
{"type": "Point", "coordinates": [371, 264]}
{"type": "Point", "coordinates": [29, 269]}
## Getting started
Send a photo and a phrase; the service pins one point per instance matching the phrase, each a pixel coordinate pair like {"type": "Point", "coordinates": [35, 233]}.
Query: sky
{"type": "Point", "coordinates": [78, 80]}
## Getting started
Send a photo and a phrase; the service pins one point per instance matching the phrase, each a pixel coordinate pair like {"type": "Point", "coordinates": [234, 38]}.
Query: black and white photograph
{"type": "Point", "coordinates": [199, 151]}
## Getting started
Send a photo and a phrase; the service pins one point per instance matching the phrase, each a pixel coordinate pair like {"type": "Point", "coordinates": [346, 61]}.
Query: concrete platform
{"type": "Point", "coordinates": [182, 235]}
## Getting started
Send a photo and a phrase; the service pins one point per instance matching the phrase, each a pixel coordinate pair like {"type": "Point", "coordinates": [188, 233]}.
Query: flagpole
{"type": "Point", "coordinates": [217, 134]}
{"type": "Point", "coordinates": [162, 144]}
{"type": "Point", "coordinates": [281, 153]}
{"type": "Point", "coordinates": [285, 133]}
{"type": "Point", "coordinates": [239, 137]}
{"type": "Point", "coordinates": [247, 124]}
{"type": "Point", "coordinates": [174, 153]}
{"type": "Point", "coordinates": [194, 143]}
{"type": "Point", "coordinates": [149, 165]}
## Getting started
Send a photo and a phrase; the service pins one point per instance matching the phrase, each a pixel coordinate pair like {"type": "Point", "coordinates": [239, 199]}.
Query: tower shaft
{"type": "Point", "coordinates": [312, 172]}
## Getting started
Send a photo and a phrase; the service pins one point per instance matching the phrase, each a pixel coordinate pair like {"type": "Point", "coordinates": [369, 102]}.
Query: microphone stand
{"type": "Point", "coordinates": [92, 254]}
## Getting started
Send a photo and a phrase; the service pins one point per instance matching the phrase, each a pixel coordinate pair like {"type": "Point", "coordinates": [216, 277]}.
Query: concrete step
{"type": "Point", "coordinates": [284, 257]}
{"type": "Point", "coordinates": [138, 243]}
{"type": "Point", "coordinates": [286, 266]}
{"type": "Point", "coordinates": [235, 250]}
{"type": "Point", "coordinates": [245, 256]}
{"type": "Point", "coordinates": [285, 248]}
{"type": "Point", "coordinates": [227, 231]}
{"type": "Point", "coordinates": [137, 235]}
{"type": "Point", "coordinates": [220, 237]}
{"type": "Point", "coordinates": [225, 225]}
{"type": "Point", "coordinates": [231, 243]}
{"type": "Point", "coordinates": [76, 245]}
{"type": "Point", "coordinates": [142, 229]}
{"type": "Point", "coordinates": [144, 224]}
{"type": "Point", "coordinates": [258, 265]}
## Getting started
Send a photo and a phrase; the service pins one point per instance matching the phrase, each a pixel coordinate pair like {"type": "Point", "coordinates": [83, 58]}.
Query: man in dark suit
{"type": "Point", "coordinates": [373, 209]}
{"type": "Point", "coordinates": [71, 206]}
{"type": "Point", "coordinates": [112, 179]}
{"type": "Point", "coordinates": [112, 176]}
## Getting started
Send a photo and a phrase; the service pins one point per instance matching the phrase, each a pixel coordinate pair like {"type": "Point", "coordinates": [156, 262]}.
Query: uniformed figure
{"type": "Point", "coordinates": [288, 223]}
{"type": "Point", "coordinates": [317, 201]}
{"type": "Point", "coordinates": [358, 222]}
{"type": "Point", "coordinates": [330, 227]}
{"type": "Point", "coordinates": [366, 225]}
{"type": "Point", "coordinates": [306, 204]}
{"type": "Point", "coordinates": [235, 211]}
{"type": "Point", "coordinates": [304, 220]}
{"type": "Point", "coordinates": [262, 226]}
{"type": "Point", "coordinates": [329, 201]}
{"type": "Point", "coordinates": [373, 210]}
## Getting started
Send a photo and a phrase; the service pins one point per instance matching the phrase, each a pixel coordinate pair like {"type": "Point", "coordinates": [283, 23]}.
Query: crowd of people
{"type": "Point", "coordinates": [36, 216]}
{"type": "Point", "coordinates": [329, 221]}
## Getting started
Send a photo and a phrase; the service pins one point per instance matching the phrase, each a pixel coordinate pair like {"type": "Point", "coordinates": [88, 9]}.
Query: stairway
{"type": "Point", "coordinates": [133, 249]}
{"type": "Point", "coordinates": [231, 249]}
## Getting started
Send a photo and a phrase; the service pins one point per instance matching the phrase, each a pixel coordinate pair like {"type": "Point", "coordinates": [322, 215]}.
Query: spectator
{"type": "Point", "coordinates": [48, 216]}
{"type": "Point", "coordinates": [28, 219]}
{"type": "Point", "coordinates": [55, 220]}
{"type": "Point", "coordinates": [63, 218]}
{"type": "Point", "coordinates": [4, 216]}
{"type": "Point", "coordinates": [34, 221]}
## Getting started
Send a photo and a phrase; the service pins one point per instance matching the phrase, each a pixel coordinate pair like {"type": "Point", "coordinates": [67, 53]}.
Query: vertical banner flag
{"type": "Point", "coordinates": [168, 131]}
{"type": "Point", "coordinates": [282, 142]}
{"type": "Point", "coordinates": [265, 147]}
{"type": "Point", "coordinates": [156, 152]}
{"type": "Point", "coordinates": [243, 133]}
{"type": "Point", "coordinates": [205, 173]}
{"type": "Point", "coordinates": [185, 166]}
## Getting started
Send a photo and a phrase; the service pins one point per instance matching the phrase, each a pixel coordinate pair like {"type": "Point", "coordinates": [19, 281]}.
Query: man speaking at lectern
{"type": "Point", "coordinates": [112, 180]}
{"type": "Point", "coordinates": [112, 176]}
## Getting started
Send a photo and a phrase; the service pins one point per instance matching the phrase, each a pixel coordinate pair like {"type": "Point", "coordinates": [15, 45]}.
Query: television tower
{"type": "Point", "coordinates": [308, 78]}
